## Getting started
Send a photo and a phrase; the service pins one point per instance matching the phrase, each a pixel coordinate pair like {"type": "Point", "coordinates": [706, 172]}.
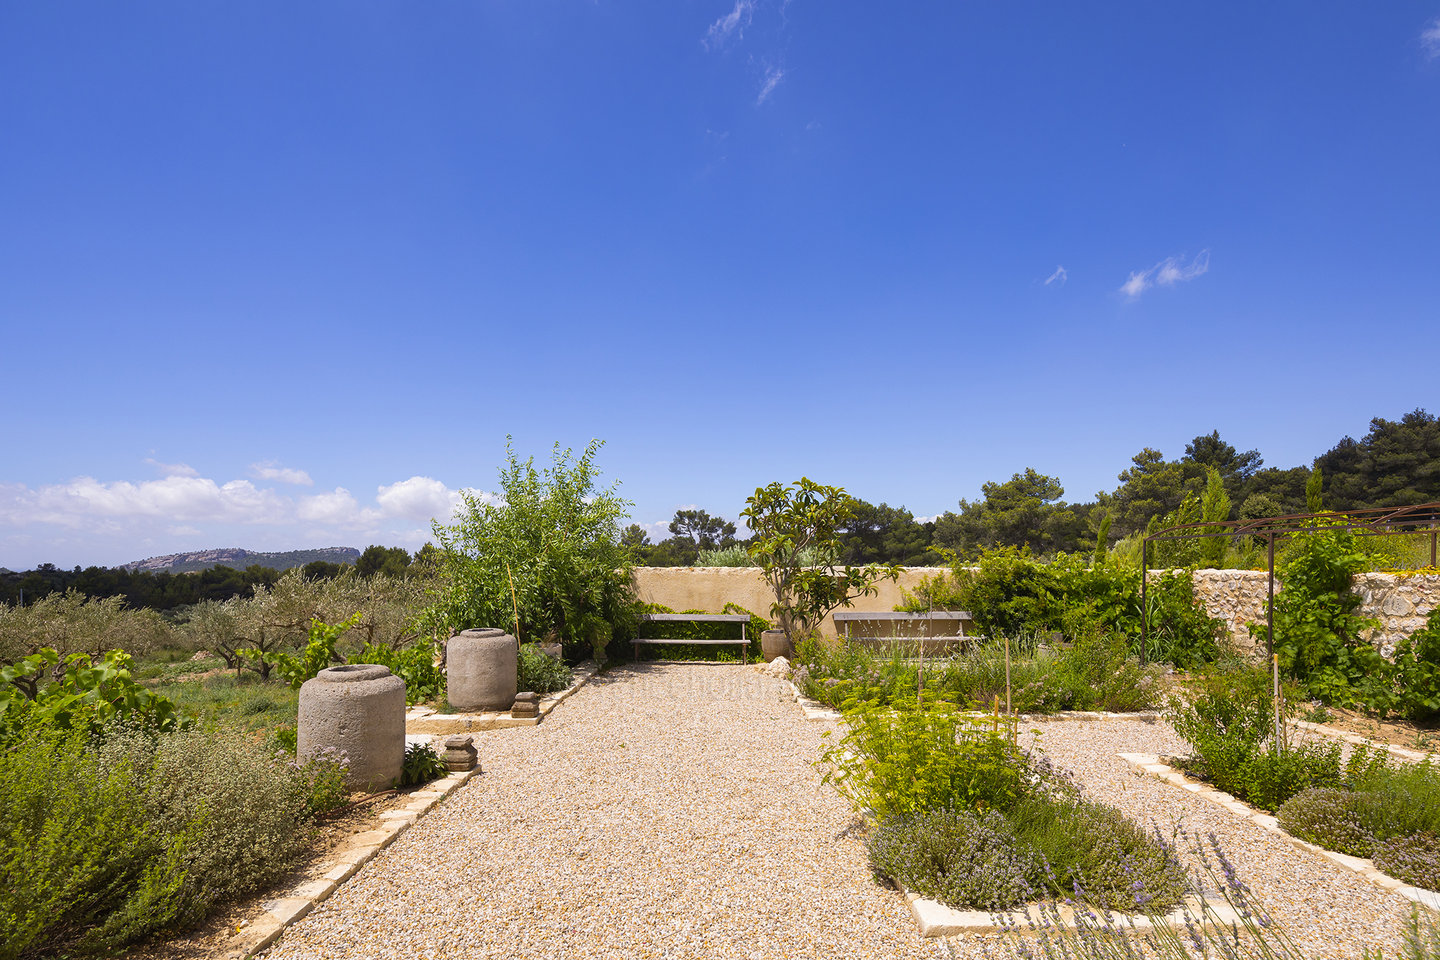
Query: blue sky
{"type": "Point", "coordinates": [286, 275]}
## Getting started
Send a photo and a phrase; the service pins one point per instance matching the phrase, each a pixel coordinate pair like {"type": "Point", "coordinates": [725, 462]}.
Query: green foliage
{"type": "Point", "coordinates": [319, 652]}
{"type": "Point", "coordinates": [554, 539]}
{"type": "Point", "coordinates": [964, 859]}
{"type": "Point", "coordinates": [422, 764]}
{"type": "Point", "coordinates": [682, 631]}
{"type": "Point", "coordinates": [789, 521]}
{"type": "Point", "coordinates": [1095, 848]}
{"type": "Point", "coordinates": [323, 777]}
{"type": "Point", "coordinates": [78, 693]}
{"type": "Point", "coordinates": [539, 672]}
{"type": "Point", "coordinates": [1330, 817]}
{"type": "Point", "coordinates": [901, 759]}
{"type": "Point", "coordinates": [992, 861]}
{"type": "Point", "coordinates": [1024, 512]}
{"type": "Point", "coordinates": [1228, 716]}
{"type": "Point", "coordinates": [415, 664]}
{"type": "Point", "coordinates": [1317, 632]}
{"type": "Point", "coordinates": [108, 840]}
{"type": "Point", "coordinates": [1417, 672]}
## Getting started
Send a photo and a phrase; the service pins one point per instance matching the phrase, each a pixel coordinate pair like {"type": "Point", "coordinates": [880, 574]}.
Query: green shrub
{"type": "Point", "coordinates": [1417, 671]}
{"type": "Point", "coordinates": [415, 664]}
{"type": "Point", "coordinates": [541, 673]}
{"type": "Point", "coordinates": [1229, 715]}
{"type": "Point", "coordinates": [74, 843]}
{"type": "Point", "coordinates": [1269, 777]}
{"type": "Point", "coordinates": [244, 807]}
{"type": "Point", "coordinates": [422, 764]}
{"type": "Point", "coordinates": [1328, 817]}
{"type": "Point", "coordinates": [1091, 847]}
{"type": "Point", "coordinates": [1414, 859]}
{"type": "Point", "coordinates": [1104, 676]}
{"type": "Point", "coordinates": [964, 859]}
{"type": "Point", "coordinates": [902, 759]}
{"type": "Point", "coordinates": [323, 777]}
{"type": "Point", "coordinates": [86, 694]}
{"type": "Point", "coordinates": [549, 546]}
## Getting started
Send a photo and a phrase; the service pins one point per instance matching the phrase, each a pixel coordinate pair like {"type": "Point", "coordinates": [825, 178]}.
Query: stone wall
{"type": "Point", "coordinates": [1400, 601]}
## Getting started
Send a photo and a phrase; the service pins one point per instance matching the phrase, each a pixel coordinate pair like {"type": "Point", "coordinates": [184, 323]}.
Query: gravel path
{"type": "Point", "coordinates": [662, 811]}
{"type": "Point", "coordinates": [674, 811]}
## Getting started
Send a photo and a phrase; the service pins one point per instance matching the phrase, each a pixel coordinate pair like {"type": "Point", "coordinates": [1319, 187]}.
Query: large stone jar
{"type": "Point", "coordinates": [776, 643]}
{"type": "Point", "coordinates": [358, 708]}
{"type": "Point", "coordinates": [481, 669]}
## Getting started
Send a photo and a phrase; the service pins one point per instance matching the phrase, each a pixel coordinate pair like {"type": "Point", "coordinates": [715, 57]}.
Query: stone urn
{"type": "Point", "coordinates": [482, 670]}
{"type": "Point", "coordinates": [358, 708]}
{"type": "Point", "coordinates": [776, 643]}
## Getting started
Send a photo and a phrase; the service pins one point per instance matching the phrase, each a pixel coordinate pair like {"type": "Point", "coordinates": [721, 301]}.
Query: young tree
{"type": "Point", "coordinates": [548, 548]}
{"type": "Point", "coordinates": [797, 546]}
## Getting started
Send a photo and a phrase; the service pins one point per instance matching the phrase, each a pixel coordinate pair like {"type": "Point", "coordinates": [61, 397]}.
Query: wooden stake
{"type": "Point", "coordinates": [1007, 675]}
{"type": "Point", "coordinates": [514, 603]}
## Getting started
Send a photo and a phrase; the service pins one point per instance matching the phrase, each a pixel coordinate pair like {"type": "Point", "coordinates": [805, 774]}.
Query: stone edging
{"type": "Point", "coordinates": [1404, 753]}
{"type": "Point", "coordinates": [423, 720]}
{"type": "Point", "coordinates": [937, 920]}
{"type": "Point", "coordinates": [281, 912]}
{"type": "Point", "coordinates": [1150, 765]}
{"type": "Point", "coordinates": [815, 710]}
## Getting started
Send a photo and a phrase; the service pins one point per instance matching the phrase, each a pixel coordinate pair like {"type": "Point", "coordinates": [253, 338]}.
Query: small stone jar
{"type": "Point", "coordinates": [482, 670]}
{"type": "Point", "coordinates": [358, 709]}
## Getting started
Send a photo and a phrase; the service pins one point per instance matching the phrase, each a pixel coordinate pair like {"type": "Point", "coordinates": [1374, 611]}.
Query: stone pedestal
{"type": "Point", "coordinates": [358, 709]}
{"type": "Point", "coordinates": [460, 754]}
{"type": "Point", "coordinates": [526, 705]}
{"type": "Point", "coordinates": [481, 669]}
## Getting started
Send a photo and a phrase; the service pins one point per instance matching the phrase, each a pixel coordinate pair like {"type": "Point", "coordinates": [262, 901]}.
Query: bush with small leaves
{"type": "Point", "coordinates": [1096, 849]}
{"type": "Point", "coordinates": [1328, 817]}
{"type": "Point", "coordinates": [1414, 859]}
{"type": "Point", "coordinates": [540, 673]}
{"type": "Point", "coordinates": [963, 859]}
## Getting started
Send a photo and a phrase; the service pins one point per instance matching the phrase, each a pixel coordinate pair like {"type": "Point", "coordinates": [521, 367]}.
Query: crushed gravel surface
{"type": "Point", "coordinates": [672, 811]}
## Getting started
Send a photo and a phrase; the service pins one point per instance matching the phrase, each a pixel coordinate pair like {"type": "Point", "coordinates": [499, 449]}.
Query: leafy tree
{"type": "Point", "coordinates": [391, 561]}
{"type": "Point", "coordinates": [885, 534]}
{"type": "Point", "coordinates": [1397, 463]}
{"type": "Point", "coordinates": [1024, 512]}
{"type": "Point", "coordinates": [1151, 487]}
{"type": "Point", "coordinates": [550, 547]}
{"type": "Point", "coordinates": [801, 522]}
{"type": "Point", "coordinates": [1234, 467]}
{"type": "Point", "coordinates": [705, 531]}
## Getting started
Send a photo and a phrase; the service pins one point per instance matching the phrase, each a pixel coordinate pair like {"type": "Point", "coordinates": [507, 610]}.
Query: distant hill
{"type": "Point", "coordinates": [240, 559]}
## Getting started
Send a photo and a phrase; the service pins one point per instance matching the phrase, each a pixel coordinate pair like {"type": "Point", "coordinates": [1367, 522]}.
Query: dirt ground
{"type": "Point", "coordinates": [1399, 732]}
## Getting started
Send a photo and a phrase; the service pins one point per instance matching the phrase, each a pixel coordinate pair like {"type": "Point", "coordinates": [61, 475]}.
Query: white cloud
{"type": "Point", "coordinates": [173, 469]}
{"type": "Point", "coordinates": [420, 499]}
{"type": "Point", "coordinates": [731, 24]}
{"type": "Point", "coordinates": [1430, 39]}
{"type": "Point", "coordinates": [658, 531]}
{"type": "Point", "coordinates": [1059, 276]}
{"type": "Point", "coordinates": [773, 76]}
{"type": "Point", "coordinates": [270, 470]}
{"type": "Point", "coordinates": [1166, 273]}
{"type": "Point", "coordinates": [336, 508]}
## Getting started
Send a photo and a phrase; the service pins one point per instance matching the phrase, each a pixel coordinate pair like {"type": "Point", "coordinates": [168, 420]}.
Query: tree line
{"type": "Point", "coordinates": [1397, 463]}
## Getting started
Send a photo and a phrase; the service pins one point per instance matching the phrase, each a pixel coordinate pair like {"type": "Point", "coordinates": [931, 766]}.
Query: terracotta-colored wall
{"type": "Point", "coordinates": [710, 588]}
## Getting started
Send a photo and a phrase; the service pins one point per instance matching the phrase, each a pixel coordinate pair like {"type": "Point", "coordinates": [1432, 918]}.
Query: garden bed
{"type": "Point", "coordinates": [423, 719]}
{"type": "Point", "coordinates": [1153, 766]}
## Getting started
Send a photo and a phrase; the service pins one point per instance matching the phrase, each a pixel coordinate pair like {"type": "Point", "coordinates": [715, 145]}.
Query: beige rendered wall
{"type": "Point", "coordinates": [710, 588]}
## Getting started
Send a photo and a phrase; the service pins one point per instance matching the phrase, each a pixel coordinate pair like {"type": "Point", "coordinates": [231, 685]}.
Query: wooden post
{"type": "Point", "coordinates": [1007, 675]}
{"type": "Point", "coordinates": [1275, 678]}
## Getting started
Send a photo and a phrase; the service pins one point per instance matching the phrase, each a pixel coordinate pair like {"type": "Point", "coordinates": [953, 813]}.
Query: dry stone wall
{"type": "Point", "coordinates": [1399, 601]}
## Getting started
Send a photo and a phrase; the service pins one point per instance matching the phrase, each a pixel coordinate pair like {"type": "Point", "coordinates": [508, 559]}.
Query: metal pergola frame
{"type": "Point", "coordinates": [1370, 522]}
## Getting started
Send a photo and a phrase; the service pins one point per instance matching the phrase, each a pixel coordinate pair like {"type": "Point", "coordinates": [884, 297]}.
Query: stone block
{"type": "Point", "coordinates": [357, 709]}
{"type": "Point", "coordinates": [482, 669]}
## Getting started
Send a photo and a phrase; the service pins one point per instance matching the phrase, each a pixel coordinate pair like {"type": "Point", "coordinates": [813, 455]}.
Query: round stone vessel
{"type": "Point", "coordinates": [481, 669]}
{"type": "Point", "coordinates": [358, 708]}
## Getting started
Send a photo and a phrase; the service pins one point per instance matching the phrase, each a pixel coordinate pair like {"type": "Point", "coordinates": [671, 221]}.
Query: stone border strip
{"type": "Point", "coordinates": [1404, 753]}
{"type": "Point", "coordinates": [282, 911]}
{"type": "Point", "coordinates": [423, 720]}
{"type": "Point", "coordinates": [937, 920]}
{"type": "Point", "coordinates": [813, 709]}
{"type": "Point", "coordinates": [1150, 765]}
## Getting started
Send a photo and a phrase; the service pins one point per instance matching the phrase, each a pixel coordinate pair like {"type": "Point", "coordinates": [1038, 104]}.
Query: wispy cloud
{"type": "Point", "coordinates": [270, 470]}
{"type": "Point", "coordinates": [1166, 273]}
{"type": "Point", "coordinates": [732, 24]}
{"type": "Point", "coordinates": [773, 76]}
{"type": "Point", "coordinates": [1430, 39]}
{"type": "Point", "coordinates": [173, 469]}
{"type": "Point", "coordinates": [1059, 276]}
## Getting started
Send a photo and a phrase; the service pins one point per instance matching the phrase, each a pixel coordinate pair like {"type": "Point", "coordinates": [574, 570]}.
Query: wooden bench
{"type": "Point", "coordinates": [743, 643]}
{"type": "Point", "coordinates": [845, 618]}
